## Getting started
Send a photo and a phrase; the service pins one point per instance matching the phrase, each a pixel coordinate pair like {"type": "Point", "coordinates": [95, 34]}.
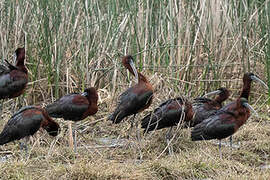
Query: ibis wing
{"type": "Point", "coordinates": [25, 108]}
{"type": "Point", "coordinates": [133, 102]}
{"type": "Point", "coordinates": [20, 126]}
{"type": "Point", "coordinates": [166, 115]}
{"type": "Point", "coordinates": [215, 127]}
{"type": "Point", "coordinates": [201, 113]}
{"type": "Point", "coordinates": [11, 85]}
{"type": "Point", "coordinates": [201, 100]}
{"type": "Point", "coordinates": [130, 103]}
{"type": "Point", "coordinates": [69, 107]}
{"type": "Point", "coordinates": [203, 109]}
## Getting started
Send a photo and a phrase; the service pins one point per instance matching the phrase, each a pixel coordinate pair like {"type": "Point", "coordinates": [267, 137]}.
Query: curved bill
{"type": "Point", "coordinates": [84, 94]}
{"type": "Point", "coordinates": [255, 78]}
{"type": "Point", "coordinates": [212, 93]}
{"type": "Point", "coordinates": [132, 65]}
{"type": "Point", "coordinates": [251, 109]}
{"type": "Point", "coordinates": [14, 58]}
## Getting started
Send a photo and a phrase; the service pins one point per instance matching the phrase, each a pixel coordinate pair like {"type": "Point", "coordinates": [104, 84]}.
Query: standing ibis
{"type": "Point", "coordinates": [13, 79]}
{"type": "Point", "coordinates": [247, 80]}
{"type": "Point", "coordinates": [204, 107]}
{"type": "Point", "coordinates": [168, 114]}
{"type": "Point", "coordinates": [226, 121]}
{"type": "Point", "coordinates": [26, 122]}
{"type": "Point", "coordinates": [135, 99]}
{"type": "Point", "coordinates": [75, 107]}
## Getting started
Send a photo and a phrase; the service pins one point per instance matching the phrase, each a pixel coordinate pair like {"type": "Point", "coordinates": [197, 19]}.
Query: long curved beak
{"type": "Point", "coordinates": [14, 58]}
{"type": "Point", "coordinates": [84, 94]}
{"type": "Point", "coordinates": [212, 93]}
{"type": "Point", "coordinates": [251, 109]}
{"type": "Point", "coordinates": [255, 78]}
{"type": "Point", "coordinates": [132, 65]}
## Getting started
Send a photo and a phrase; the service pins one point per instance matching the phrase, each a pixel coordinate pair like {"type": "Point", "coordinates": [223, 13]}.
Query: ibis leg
{"type": "Point", "coordinates": [138, 136]}
{"type": "Point", "coordinates": [168, 137]}
{"type": "Point", "coordinates": [138, 133]}
{"type": "Point", "coordinates": [74, 133]}
{"type": "Point", "coordinates": [71, 141]}
{"type": "Point", "coordinates": [231, 141]}
{"type": "Point", "coordinates": [23, 146]}
{"type": "Point", "coordinates": [131, 126]}
{"type": "Point", "coordinates": [1, 106]}
{"type": "Point", "coordinates": [219, 148]}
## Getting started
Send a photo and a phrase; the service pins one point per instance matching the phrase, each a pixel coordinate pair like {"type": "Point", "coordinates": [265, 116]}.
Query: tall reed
{"type": "Point", "coordinates": [198, 45]}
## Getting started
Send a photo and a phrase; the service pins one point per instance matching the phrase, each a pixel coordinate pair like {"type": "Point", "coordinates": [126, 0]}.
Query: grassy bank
{"type": "Point", "coordinates": [183, 47]}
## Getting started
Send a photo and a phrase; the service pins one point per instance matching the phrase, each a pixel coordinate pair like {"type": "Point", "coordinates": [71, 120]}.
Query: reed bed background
{"type": "Point", "coordinates": [183, 47]}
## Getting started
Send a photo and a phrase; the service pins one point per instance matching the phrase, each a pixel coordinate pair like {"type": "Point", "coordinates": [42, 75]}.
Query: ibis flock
{"type": "Point", "coordinates": [207, 118]}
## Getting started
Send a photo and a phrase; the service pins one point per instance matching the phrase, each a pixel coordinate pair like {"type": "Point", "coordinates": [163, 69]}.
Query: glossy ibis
{"type": "Point", "coordinates": [168, 114]}
{"type": "Point", "coordinates": [229, 118]}
{"type": "Point", "coordinates": [13, 79]}
{"type": "Point", "coordinates": [75, 107]}
{"type": "Point", "coordinates": [224, 123]}
{"type": "Point", "coordinates": [204, 107]}
{"type": "Point", "coordinates": [26, 122]}
{"type": "Point", "coordinates": [135, 99]}
{"type": "Point", "coordinates": [247, 79]}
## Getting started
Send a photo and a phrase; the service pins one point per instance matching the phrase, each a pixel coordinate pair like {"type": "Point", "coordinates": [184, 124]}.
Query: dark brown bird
{"type": "Point", "coordinates": [26, 122]}
{"type": "Point", "coordinates": [168, 114]}
{"type": "Point", "coordinates": [224, 123]}
{"type": "Point", "coordinates": [204, 107]}
{"type": "Point", "coordinates": [13, 79]}
{"type": "Point", "coordinates": [136, 98]}
{"type": "Point", "coordinates": [228, 119]}
{"type": "Point", "coordinates": [75, 107]}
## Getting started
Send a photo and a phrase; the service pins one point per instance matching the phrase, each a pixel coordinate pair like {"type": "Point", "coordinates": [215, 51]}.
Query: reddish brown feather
{"type": "Point", "coordinates": [80, 100]}
{"type": "Point", "coordinates": [142, 90]}
{"type": "Point", "coordinates": [93, 100]}
{"type": "Point", "coordinates": [32, 112]}
{"type": "Point", "coordinates": [142, 87]}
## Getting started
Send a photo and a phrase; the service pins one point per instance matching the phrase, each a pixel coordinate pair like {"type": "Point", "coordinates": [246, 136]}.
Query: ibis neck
{"type": "Point", "coordinates": [93, 98]}
{"type": "Point", "coordinates": [246, 90]}
{"type": "Point", "coordinates": [20, 64]}
{"type": "Point", "coordinates": [22, 68]}
{"type": "Point", "coordinates": [142, 78]}
{"type": "Point", "coordinates": [20, 61]}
